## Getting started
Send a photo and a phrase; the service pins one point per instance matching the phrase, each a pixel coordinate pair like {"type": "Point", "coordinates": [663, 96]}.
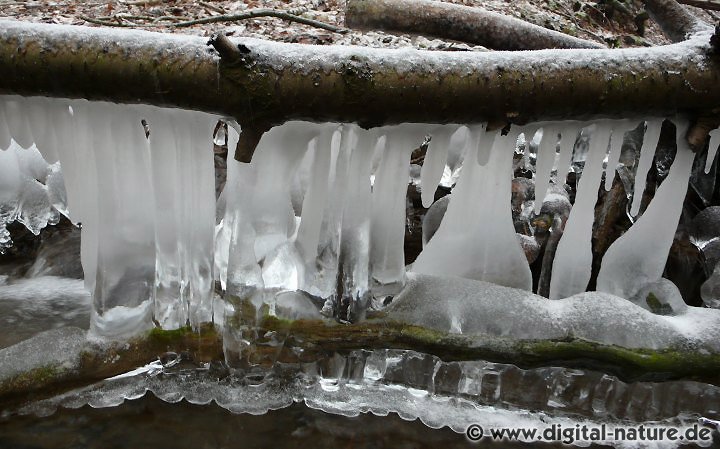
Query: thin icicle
{"type": "Point", "coordinates": [573, 258]}
{"type": "Point", "coordinates": [485, 143]}
{"type": "Point", "coordinates": [638, 257]}
{"type": "Point", "coordinates": [616, 141]}
{"type": "Point", "coordinates": [387, 235]}
{"type": "Point", "coordinates": [434, 164]}
{"type": "Point", "coordinates": [355, 244]}
{"type": "Point", "coordinates": [544, 164]}
{"type": "Point", "coordinates": [712, 149]}
{"type": "Point", "coordinates": [647, 152]}
{"type": "Point", "coordinates": [308, 235]}
{"type": "Point", "coordinates": [568, 135]}
{"type": "Point", "coordinates": [17, 122]}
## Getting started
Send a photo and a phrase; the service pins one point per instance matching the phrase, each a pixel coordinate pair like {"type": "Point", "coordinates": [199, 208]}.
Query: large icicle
{"type": "Point", "coordinates": [387, 236]}
{"type": "Point", "coordinates": [355, 244]}
{"type": "Point", "coordinates": [435, 162]}
{"type": "Point", "coordinates": [184, 186]}
{"type": "Point", "coordinates": [544, 165]}
{"type": "Point", "coordinates": [573, 258]}
{"type": "Point", "coordinates": [476, 238]}
{"type": "Point", "coordinates": [647, 152]}
{"type": "Point", "coordinates": [638, 257]}
{"type": "Point", "coordinates": [568, 135]}
{"type": "Point", "coordinates": [126, 208]}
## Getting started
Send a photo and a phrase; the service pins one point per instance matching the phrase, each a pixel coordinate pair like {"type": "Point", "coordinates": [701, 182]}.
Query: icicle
{"type": "Point", "coordinates": [476, 238]}
{"type": "Point", "coordinates": [573, 258]}
{"type": "Point", "coordinates": [321, 273]}
{"type": "Point", "coordinates": [308, 236]}
{"type": "Point", "coordinates": [544, 164]}
{"type": "Point", "coordinates": [485, 144]}
{"type": "Point", "coordinates": [434, 164]}
{"type": "Point", "coordinates": [638, 257]}
{"type": "Point", "coordinates": [616, 141]}
{"type": "Point", "coordinates": [244, 276]}
{"type": "Point", "coordinates": [355, 244]}
{"type": "Point", "coordinates": [647, 151]}
{"type": "Point", "coordinates": [41, 127]}
{"type": "Point", "coordinates": [168, 308]}
{"type": "Point", "coordinates": [5, 135]}
{"type": "Point", "coordinates": [182, 165]}
{"type": "Point", "coordinates": [17, 122]}
{"type": "Point", "coordinates": [388, 205]}
{"type": "Point", "coordinates": [568, 135]}
{"type": "Point", "coordinates": [197, 187]}
{"type": "Point", "coordinates": [712, 149]}
{"type": "Point", "coordinates": [126, 209]}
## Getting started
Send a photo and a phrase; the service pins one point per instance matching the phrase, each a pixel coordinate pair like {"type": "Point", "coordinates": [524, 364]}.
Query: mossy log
{"type": "Point", "coordinates": [319, 339]}
{"type": "Point", "coordinates": [262, 83]}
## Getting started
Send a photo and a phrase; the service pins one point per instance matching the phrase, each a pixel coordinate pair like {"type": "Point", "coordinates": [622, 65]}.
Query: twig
{"type": "Point", "coordinates": [703, 4]}
{"type": "Point", "coordinates": [107, 22]}
{"type": "Point", "coordinates": [569, 15]}
{"type": "Point", "coordinates": [142, 2]}
{"type": "Point", "coordinates": [263, 12]}
{"type": "Point", "coordinates": [212, 7]}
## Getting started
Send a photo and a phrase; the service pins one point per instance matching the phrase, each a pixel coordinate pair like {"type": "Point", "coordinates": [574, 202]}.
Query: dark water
{"type": "Point", "coordinates": [150, 422]}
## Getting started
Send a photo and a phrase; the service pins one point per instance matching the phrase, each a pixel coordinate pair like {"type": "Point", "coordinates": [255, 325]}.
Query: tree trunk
{"type": "Point", "coordinates": [263, 83]}
{"type": "Point", "coordinates": [457, 22]}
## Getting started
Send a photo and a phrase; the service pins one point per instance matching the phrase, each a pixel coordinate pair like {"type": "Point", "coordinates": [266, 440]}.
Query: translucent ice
{"type": "Point", "coordinates": [647, 151]}
{"type": "Point", "coordinates": [573, 258]}
{"type": "Point", "coordinates": [476, 239]}
{"type": "Point", "coordinates": [638, 257]}
{"type": "Point", "coordinates": [712, 148]}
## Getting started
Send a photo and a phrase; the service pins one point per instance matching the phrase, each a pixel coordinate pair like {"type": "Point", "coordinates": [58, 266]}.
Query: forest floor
{"type": "Point", "coordinates": [612, 22]}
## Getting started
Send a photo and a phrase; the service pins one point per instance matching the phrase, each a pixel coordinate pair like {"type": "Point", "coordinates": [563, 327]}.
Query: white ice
{"type": "Point", "coordinates": [638, 257]}
{"type": "Point", "coordinates": [573, 258]}
{"type": "Point", "coordinates": [647, 151]}
{"type": "Point", "coordinates": [476, 238]}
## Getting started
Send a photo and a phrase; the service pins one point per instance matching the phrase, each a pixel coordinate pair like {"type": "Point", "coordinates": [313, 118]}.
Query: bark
{"type": "Point", "coordinates": [263, 83]}
{"type": "Point", "coordinates": [704, 4]}
{"type": "Point", "coordinates": [676, 22]}
{"type": "Point", "coordinates": [457, 22]}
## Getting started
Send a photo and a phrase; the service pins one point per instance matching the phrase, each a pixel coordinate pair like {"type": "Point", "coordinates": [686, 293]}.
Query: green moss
{"type": "Point", "coordinates": [33, 379]}
{"type": "Point", "coordinates": [656, 306]}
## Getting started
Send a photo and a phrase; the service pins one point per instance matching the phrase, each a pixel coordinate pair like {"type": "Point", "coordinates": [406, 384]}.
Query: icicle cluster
{"type": "Point", "coordinates": [321, 208]}
{"type": "Point", "coordinates": [146, 205]}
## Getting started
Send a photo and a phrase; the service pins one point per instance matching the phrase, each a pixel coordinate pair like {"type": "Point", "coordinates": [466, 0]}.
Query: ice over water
{"type": "Point", "coordinates": [320, 209]}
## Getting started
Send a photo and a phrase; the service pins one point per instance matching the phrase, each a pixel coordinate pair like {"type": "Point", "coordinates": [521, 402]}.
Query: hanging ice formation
{"type": "Point", "coordinates": [320, 209]}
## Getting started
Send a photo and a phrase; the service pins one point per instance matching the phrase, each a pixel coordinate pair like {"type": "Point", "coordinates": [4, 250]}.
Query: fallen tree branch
{"type": "Point", "coordinates": [457, 22]}
{"type": "Point", "coordinates": [275, 82]}
{"type": "Point", "coordinates": [702, 4]}
{"type": "Point", "coordinates": [675, 21]}
{"type": "Point", "coordinates": [263, 12]}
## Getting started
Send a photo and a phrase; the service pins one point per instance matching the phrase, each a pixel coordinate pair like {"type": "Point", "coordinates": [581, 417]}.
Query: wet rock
{"type": "Point", "coordinates": [710, 290]}
{"type": "Point", "coordinates": [705, 226]}
{"type": "Point", "coordinates": [530, 247]}
{"type": "Point", "coordinates": [685, 268]}
{"type": "Point", "coordinates": [433, 218]}
{"type": "Point", "coordinates": [58, 254]}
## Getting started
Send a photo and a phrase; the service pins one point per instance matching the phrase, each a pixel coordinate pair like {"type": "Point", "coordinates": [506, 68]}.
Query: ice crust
{"type": "Point", "coordinates": [420, 386]}
{"type": "Point", "coordinates": [481, 308]}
